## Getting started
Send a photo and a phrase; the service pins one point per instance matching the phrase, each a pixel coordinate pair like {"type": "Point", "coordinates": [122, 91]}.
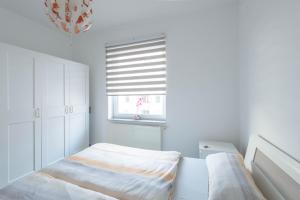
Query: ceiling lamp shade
{"type": "Point", "coordinates": [71, 16]}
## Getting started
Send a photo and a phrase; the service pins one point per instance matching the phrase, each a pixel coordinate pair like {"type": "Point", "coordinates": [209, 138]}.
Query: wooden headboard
{"type": "Point", "coordinates": [275, 172]}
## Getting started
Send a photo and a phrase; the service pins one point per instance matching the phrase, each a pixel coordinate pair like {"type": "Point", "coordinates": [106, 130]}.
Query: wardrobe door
{"type": "Point", "coordinates": [21, 137]}
{"type": "Point", "coordinates": [54, 122]}
{"type": "Point", "coordinates": [79, 107]}
{"type": "Point", "coordinates": [3, 134]}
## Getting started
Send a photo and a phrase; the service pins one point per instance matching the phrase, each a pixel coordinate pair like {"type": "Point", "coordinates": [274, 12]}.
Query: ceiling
{"type": "Point", "coordinates": [110, 13]}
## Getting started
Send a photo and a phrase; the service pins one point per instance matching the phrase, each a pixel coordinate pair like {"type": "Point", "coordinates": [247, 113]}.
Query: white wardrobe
{"type": "Point", "coordinates": [44, 111]}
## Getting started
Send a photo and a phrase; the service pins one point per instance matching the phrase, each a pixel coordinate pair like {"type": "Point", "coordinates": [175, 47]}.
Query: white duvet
{"type": "Point", "coordinates": [107, 171]}
{"type": "Point", "coordinates": [229, 179]}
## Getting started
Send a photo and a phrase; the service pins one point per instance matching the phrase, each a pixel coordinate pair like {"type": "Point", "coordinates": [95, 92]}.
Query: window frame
{"type": "Point", "coordinates": [114, 115]}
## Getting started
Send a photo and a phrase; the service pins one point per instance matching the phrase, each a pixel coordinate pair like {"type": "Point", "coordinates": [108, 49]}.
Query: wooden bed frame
{"type": "Point", "coordinates": [276, 173]}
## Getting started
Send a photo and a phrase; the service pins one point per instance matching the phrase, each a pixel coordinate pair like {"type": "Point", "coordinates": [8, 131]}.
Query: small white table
{"type": "Point", "coordinates": [211, 147]}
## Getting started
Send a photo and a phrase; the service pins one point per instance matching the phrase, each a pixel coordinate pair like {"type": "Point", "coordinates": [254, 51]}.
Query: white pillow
{"type": "Point", "coordinates": [229, 179]}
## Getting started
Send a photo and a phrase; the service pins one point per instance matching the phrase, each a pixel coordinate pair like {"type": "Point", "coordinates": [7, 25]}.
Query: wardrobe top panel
{"type": "Point", "coordinates": [38, 54]}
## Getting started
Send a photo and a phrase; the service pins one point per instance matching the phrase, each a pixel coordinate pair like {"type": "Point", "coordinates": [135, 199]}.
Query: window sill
{"type": "Point", "coordinates": [139, 122]}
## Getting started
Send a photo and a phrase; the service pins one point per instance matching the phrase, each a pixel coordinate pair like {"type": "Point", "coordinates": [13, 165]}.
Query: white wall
{"type": "Point", "coordinates": [270, 70]}
{"type": "Point", "coordinates": [20, 31]}
{"type": "Point", "coordinates": [203, 99]}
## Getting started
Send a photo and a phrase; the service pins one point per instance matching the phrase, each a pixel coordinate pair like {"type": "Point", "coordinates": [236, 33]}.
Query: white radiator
{"type": "Point", "coordinates": [147, 137]}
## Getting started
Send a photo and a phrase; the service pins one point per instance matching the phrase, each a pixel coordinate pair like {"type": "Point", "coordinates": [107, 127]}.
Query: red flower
{"type": "Point", "coordinates": [139, 102]}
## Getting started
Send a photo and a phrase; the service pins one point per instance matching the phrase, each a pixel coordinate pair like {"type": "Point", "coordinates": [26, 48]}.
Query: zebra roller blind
{"type": "Point", "coordinates": [137, 68]}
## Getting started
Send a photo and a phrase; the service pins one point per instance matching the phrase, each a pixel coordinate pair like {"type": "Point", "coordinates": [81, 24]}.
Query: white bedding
{"type": "Point", "coordinates": [191, 184]}
{"type": "Point", "coordinates": [192, 180]}
{"type": "Point", "coordinates": [229, 179]}
{"type": "Point", "coordinates": [120, 172]}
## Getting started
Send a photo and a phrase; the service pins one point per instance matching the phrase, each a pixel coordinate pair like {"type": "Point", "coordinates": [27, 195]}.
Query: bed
{"type": "Point", "coordinates": [171, 177]}
{"type": "Point", "coordinates": [276, 173]}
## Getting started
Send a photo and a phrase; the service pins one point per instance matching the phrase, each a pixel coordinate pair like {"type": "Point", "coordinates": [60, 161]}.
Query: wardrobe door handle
{"type": "Point", "coordinates": [71, 109]}
{"type": "Point", "coordinates": [66, 109]}
{"type": "Point", "coordinates": [37, 113]}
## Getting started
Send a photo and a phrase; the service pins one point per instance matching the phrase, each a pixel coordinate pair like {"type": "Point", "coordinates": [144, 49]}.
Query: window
{"type": "Point", "coordinates": [144, 107]}
{"type": "Point", "coordinates": [136, 80]}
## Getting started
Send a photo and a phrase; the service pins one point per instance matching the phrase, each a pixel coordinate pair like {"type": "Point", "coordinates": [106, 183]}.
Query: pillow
{"type": "Point", "coordinates": [229, 179]}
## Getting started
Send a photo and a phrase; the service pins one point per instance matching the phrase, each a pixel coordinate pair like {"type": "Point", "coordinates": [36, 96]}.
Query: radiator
{"type": "Point", "coordinates": [147, 137]}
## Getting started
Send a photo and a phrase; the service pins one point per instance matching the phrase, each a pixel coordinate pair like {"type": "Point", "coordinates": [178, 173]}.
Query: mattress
{"type": "Point", "coordinates": [192, 180]}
